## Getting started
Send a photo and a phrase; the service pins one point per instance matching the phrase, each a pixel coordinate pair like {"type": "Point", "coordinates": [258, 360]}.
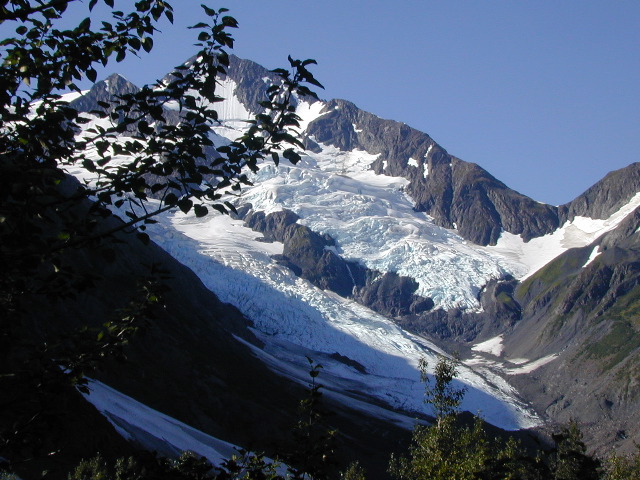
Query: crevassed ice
{"type": "Point", "coordinates": [373, 222]}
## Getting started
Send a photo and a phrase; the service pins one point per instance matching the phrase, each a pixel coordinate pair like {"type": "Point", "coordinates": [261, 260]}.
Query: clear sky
{"type": "Point", "coordinates": [544, 94]}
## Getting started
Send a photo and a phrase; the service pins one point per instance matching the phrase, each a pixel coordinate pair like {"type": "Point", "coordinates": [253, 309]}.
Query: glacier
{"type": "Point", "coordinates": [373, 222]}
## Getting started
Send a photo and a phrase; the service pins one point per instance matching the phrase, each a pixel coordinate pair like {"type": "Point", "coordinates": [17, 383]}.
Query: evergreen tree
{"type": "Point", "coordinates": [445, 450]}
{"type": "Point", "coordinates": [571, 460]}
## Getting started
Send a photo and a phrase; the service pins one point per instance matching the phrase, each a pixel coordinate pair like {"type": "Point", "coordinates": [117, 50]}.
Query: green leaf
{"type": "Point", "coordinates": [147, 44]}
{"type": "Point", "coordinates": [171, 199]}
{"type": "Point", "coordinates": [134, 43]}
{"type": "Point", "coordinates": [85, 25]}
{"type": "Point", "coordinates": [291, 155]}
{"type": "Point", "coordinates": [209, 11]}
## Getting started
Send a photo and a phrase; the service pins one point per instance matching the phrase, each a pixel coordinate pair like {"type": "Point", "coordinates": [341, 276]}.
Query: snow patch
{"type": "Point", "coordinates": [523, 259]}
{"type": "Point", "coordinates": [231, 108]}
{"type": "Point", "coordinates": [530, 367]}
{"type": "Point", "coordinates": [492, 346]}
{"type": "Point", "coordinates": [594, 254]}
{"type": "Point", "coordinates": [426, 155]}
{"type": "Point", "coordinates": [152, 429]}
{"type": "Point", "coordinates": [308, 112]}
{"type": "Point", "coordinates": [413, 162]}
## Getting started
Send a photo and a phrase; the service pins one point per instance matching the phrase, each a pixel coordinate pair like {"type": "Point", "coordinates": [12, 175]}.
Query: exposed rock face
{"type": "Point", "coordinates": [455, 193]}
{"type": "Point", "coordinates": [104, 91]}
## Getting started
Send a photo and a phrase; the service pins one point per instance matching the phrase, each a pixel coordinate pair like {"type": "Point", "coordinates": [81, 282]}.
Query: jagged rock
{"type": "Point", "coordinates": [393, 295]}
{"type": "Point", "coordinates": [104, 91]}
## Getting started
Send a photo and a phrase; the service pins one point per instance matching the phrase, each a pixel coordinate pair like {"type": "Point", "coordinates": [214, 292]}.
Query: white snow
{"type": "Point", "coordinates": [493, 346]}
{"type": "Point", "coordinates": [425, 165]}
{"type": "Point", "coordinates": [524, 259]}
{"type": "Point", "coordinates": [71, 96]}
{"type": "Point", "coordinates": [308, 112]}
{"type": "Point", "coordinates": [594, 254]}
{"type": "Point", "coordinates": [531, 366]}
{"type": "Point", "coordinates": [152, 429]}
{"type": "Point", "coordinates": [426, 155]}
{"type": "Point", "coordinates": [413, 162]}
{"type": "Point", "coordinates": [231, 109]}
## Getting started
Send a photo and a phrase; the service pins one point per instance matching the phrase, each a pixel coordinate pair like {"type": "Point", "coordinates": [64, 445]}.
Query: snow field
{"type": "Point", "coordinates": [527, 258]}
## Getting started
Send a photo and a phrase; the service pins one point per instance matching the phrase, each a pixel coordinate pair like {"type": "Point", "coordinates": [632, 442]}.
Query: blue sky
{"type": "Point", "coordinates": [545, 95]}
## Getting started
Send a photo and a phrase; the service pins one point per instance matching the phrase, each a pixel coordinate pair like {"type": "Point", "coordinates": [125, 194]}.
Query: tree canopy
{"type": "Point", "coordinates": [143, 159]}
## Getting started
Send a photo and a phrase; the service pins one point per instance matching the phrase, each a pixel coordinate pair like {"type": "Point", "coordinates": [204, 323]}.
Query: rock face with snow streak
{"type": "Point", "coordinates": [583, 308]}
{"type": "Point", "coordinates": [457, 194]}
{"type": "Point", "coordinates": [605, 197]}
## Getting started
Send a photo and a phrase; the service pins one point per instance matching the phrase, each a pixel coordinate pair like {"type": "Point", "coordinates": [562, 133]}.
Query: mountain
{"type": "Point", "coordinates": [583, 309]}
{"type": "Point", "coordinates": [377, 249]}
